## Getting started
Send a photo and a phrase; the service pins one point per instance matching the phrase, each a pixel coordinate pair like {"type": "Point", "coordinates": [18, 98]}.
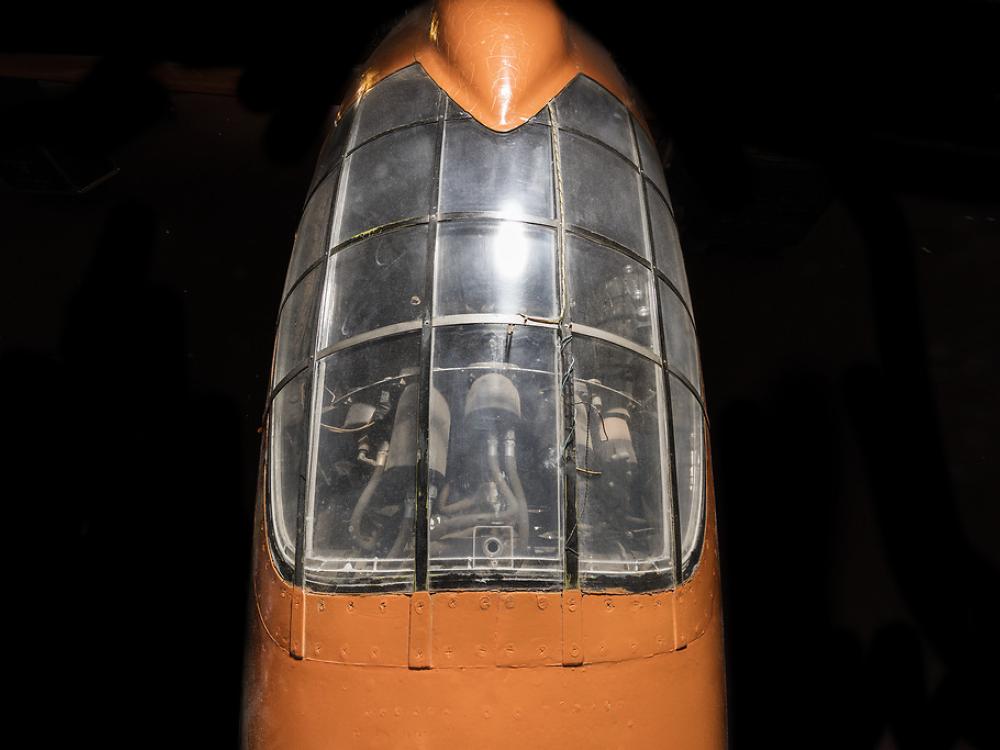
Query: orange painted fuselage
{"type": "Point", "coordinates": [650, 668]}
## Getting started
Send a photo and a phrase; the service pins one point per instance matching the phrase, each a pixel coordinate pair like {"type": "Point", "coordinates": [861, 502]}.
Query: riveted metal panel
{"type": "Point", "coordinates": [672, 700]}
{"type": "Point", "coordinates": [420, 630]}
{"type": "Point", "coordinates": [528, 629]}
{"type": "Point", "coordinates": [297, 636]}
{"type": "Point", "coordinates": [370, 629]}
{"type": "Point", "coordinates": [272, 593]}
{"type": "Point", "coordinates": [572, 627]}
{"type": "Point", "coordinates": [465, 628]}
{"type": "Point", "coordinates": [697, 605]}
{"type": "Point", "coordinates": [624, 627]}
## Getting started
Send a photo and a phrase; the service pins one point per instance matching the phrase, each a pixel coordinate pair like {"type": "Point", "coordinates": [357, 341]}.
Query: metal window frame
{"type": "Point", "coordinates": [427, 324]}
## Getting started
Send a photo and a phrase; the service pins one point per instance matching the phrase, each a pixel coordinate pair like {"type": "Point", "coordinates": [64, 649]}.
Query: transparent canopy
{"type": "Point", "coordinates": [486, 371]}
{"type": "Point", "coordinates": [497, 510]}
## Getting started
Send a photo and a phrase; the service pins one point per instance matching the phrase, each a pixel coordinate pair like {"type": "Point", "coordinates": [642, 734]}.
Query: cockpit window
{"type": "Point", "coordinates": [392, 264]}
{"type": "Point", "coordinates": [387, 180]}
{"type": "Point", "coordinates": [585, 107]}
{"type": "Point", "coordinates": [297, 325]}
{"type": "Point", "coordinates": [311, 238]}
{"type": "Point", "coordinates": [359, 523]}
{"type": "Point", "coordinates": [483, 171]}
{"type": "Point", "coordinates": [486, 372]}
{"type": "Point", "coordinates": [495, 267]}
{"type": "Point", "coordinates": [622, 488]}
{"type": "Point", "coordinates": [405, 98]}
{"type": "Point", "coordinates": [289, 440]}
{"type": "Point", "coordinates": [495, 508]}
{"type": "Point", "coordinates": [614, 210]}
{"type": "Point", "coordinates": [610, 292]}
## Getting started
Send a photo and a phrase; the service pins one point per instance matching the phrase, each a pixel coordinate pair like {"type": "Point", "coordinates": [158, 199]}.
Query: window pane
{"type": "Point", "coordinates": [487, 171]}
{"type": "Point", "coordinates": [403, 98]}
{"type": "Point", "coordinates": [334, 146]}
{"type": "Point", "coordinates": [610, 291]}
{"type": "Point", "coordinates": [388, 180]}
{"type": "Point", "coordinates": [289, 437]}
{"type": "Point", "coordinates": [666, 247]}
{"type": "Point", "coordinates": [649, 158]}
{"type": "Point", "coordinates": [689, 442]}
{"type": "Point", "coordinates": [682, 348]}
{"type": "Point", "coordinates": [495, 267]}
{"type": "Point", "coordinates": [377, 282]}
{"type": "Point", "coordinates": [311, 237]}
{"type": "Point", "coordinates": [297, 325]}
{"type": "Point", "coordinates": [361, 525]}
{"type": "Point", "coordinates": [621, 486]}
{"type": "Point", "coordinates": [494, 498]}
{"type": "Point", "coordinates": [602, 192]}
{"type": "Point", "coordinates": [586, 106]}
{"type": "Point", "coordinates": [455, 112]}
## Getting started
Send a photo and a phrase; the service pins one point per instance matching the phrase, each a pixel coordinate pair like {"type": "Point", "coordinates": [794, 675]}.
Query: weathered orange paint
{"type": "Point", "coordinates": [500, 60]}
{"type": "Point", "coordinates": [651, 672]}
{"type": "Point", "coordinates": [665, 701]}
{"type": "Point", "coordinates": [651, 668]}
{"type": "Point", "coordinates": [272, 595]}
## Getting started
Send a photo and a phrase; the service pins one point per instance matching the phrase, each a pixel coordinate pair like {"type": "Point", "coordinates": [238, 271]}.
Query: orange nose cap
{"type": "Point", "coordinates": [500, 60]}
{"type": "Point", "coordinates": [505, 55]}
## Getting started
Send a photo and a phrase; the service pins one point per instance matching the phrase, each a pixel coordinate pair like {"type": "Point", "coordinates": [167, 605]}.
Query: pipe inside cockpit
{"type": "Point", "coordinates": [510, 467]}
{"type": "Point", "coordinates": [368, 543]}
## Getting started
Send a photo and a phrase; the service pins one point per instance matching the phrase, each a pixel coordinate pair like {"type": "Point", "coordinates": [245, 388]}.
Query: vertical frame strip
{"type": "Point", "coordinates": [421, 529]}
{"type": "Point", "coordinates": [675, 523]}
{"type": "Point", "coordinates": [303, 516]}
{"type": "Point", "coordinates": [571, 540]}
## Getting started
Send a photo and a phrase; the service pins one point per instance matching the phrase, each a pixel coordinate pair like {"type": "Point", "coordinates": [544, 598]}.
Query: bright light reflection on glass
{"type": "Point", "coordinates": [510, 250]}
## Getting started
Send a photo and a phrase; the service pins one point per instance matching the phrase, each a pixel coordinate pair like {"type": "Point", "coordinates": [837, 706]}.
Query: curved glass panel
{"type": "Point", "coordinates": [313, 233]}
{"type": "Point", "coordinates": [621, 487]}
{"type": "Point", "coordinates": [376, 282]}
{"type": "Point", "coordinates": [495, 267]}
{"type": "Point", "coordinates": [495, 501]}
{"type": "Point", "coordinates": [649, 159]}
{"type": "Point", "coordinates": [297, 325]}
{"type": "Point", "coordinates": [682, 349]}
{"type": "Point", "coordinates": [587, 106]}
{"type": "Point", "coordinates": [289, 441]}
{"type": "Point", "coordinates": [387, 180]}
{"type": "Point", "coordinates": [334, 147]}
{"type": "Point", "coordinates": [404, 98]}
{"type": "Point", "coordinates": [610, 291]}
{"type": "Point", "coordinates": [360, 528]}
{"type": "Point", "coordinates": [666, 246]}
{"type": "Point", "coordinates": [506, 172]}
{"type": "Point", "coordinates": [689, 442]}
{"type": "Point", "coordinates": [602, 192]}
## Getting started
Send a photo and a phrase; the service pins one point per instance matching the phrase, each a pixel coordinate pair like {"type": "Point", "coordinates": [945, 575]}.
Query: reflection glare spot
{"type": "Point", "coordinates": [510, 250]}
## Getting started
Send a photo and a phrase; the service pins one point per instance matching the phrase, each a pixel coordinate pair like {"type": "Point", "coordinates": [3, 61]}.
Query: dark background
{"type": "Point", "coordinates": [836, 175]}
